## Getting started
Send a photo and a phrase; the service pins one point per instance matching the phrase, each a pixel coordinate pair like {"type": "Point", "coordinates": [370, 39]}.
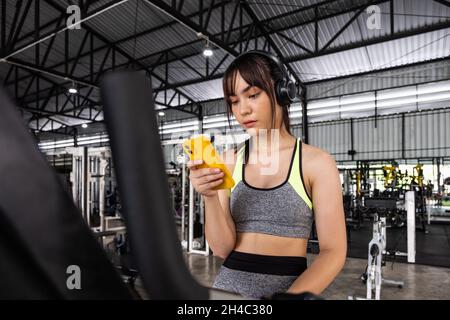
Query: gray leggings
{"type": "Point", "coordinates": [258, 276]}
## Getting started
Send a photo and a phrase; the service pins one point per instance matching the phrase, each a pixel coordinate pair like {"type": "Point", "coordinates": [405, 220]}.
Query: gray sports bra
{"type": "Point", "coordinates": [285, 210]}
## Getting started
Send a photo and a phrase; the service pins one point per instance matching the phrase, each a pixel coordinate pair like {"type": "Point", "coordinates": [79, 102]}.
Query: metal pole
{"type": "Point", "coordinates": [191, 217]}
{"type": "Point", "coordinates": [203, 217]}
{"type": "Point", "coordinates": [305, 133]}
{"type": "Point", "coordinates": [102, 186]}
{"type": "Point", "coordinates": [411, 225]}
{"type": "Point", "coordinates": [54, 75]}
{"type": "Point", "coordinates": [183, 201]}
{"type": "Point", "coordinates": [84, 187]}
{"type": "Point", "coordinates": [438, 162]}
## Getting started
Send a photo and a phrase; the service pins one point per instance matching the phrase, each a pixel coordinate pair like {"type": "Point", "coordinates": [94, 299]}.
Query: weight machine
{"type": "Point", "coordinates": [373, 276]}
{"type": "Point", "coordinates": [192, 220]}
{"type": "Point", "coordinates": [94, 188]}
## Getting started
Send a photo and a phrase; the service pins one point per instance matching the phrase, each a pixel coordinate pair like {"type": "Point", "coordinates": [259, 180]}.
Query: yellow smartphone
{"type": "Point", "coordinates": [201, 148]}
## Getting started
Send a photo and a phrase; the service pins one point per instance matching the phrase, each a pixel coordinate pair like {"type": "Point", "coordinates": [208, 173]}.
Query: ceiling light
{"type": "Point", "coordinates": [73, 88]}
{"type": "Point", "coordinates": [207, 52]}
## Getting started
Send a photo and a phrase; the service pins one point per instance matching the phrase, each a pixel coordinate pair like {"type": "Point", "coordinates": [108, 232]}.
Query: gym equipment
{"type": "Point", "coordinates": [191, 233]}
{"type": "Point", "coordinates": [358, 183]}
{"type": "Point", "coordinates": [385, 207]}
{"type": "Point", "coordinates": [417, 185]}
{"type": "Point", "coordinates": [396, 184]}
{"type": "Point", "coordinates": [94, 188]}
{"type": "Point", "coordinates": [377, 247]}
{"type": "Point", "coordinates": [42, 233]}
{"type": "Point", "coordinates": [390, 177]}
{"type": "Point", "coordinates": [78, 177]}
{"type": "Point", "coordinates": [417, 177]}
{"type": "Point", "coordinates": [373, 276]}
{"type": "Point", "coordinates": [137, 154]}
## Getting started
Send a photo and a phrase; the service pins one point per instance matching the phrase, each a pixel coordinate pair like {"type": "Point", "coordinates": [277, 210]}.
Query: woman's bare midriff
{"type": "Point", "coordinates": [269, 245]}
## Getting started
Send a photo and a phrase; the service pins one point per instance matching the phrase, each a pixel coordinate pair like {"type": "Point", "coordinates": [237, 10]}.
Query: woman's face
{"type": "Point", "coordinates": [251, 107]}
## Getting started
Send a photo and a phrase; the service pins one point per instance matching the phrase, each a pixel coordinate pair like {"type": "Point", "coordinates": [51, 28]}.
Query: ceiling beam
{"type": "Point", "coordinates": [194, 27]}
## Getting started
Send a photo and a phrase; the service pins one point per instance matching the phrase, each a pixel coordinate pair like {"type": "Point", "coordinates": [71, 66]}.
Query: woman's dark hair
{"type": "Point", "coordinates": [259, 71]}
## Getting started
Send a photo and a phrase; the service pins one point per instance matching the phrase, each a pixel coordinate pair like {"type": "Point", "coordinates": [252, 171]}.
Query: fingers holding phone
{"type": "Point", "coordinates": [204, 180]}
{"type": "Point", "coordinates": [208, 172]}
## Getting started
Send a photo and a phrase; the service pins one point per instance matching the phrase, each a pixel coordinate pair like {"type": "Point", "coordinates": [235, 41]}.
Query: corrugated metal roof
{"type": "Point", "coordinates": [404, 51]}
{"type": "Point", "coordinates": [115, 25]}
{"type": "Point", "coordinates": [119, 22]}
{"type": "Point", "coordinates": [56, 55]}
{"type": "Point", "coordinates": [150, 60]}
{"type": "Point", "coordinates": [47, 13]}
{"type": "Point", "coordinates": [256, 43]}
{"type": "Point", "coordinates": [23, 84]}
{"type": "Point", "coordinates": [215, 20]}
{"type": "Point", "coordinates": [160, 40]}
{"type": "Point", "coordinates": [190, 7]}
{"type": "Point", "coordinates": [161, 98]}
{"type": "Point", "coordinates": [334, 65]}
{"type": "Point", "coordinates": [265, 9]}
{"type": "Point", "coordinates": [427, 46]}
{"type": "Point", "coordinates": [329, 27]}
{"type": "Point", "coordinates": [358, 30]}
{"type": "Point", "coordinates": [409, 14]}
{"type": "Point", "coordinates": [214, 107]}
{"type": "Point", "coordinates": [299, 35]}
{"type": "Point", "coordinates": [178, 34]}
{"type": "Point", "coordinates": [97, 4]}
{"type": "Point", "coordinates": [210, 90]}
{"type": "Point", "coordinates": [180, 72]}
{"type": "Point", "coordinates": [214, 26]}
{"type": "Point", "coordinates": [412, 14]}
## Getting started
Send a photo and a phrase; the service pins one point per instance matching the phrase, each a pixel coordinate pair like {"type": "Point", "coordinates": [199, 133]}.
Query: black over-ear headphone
{"type": "Point", "coordinates": [285, 89]}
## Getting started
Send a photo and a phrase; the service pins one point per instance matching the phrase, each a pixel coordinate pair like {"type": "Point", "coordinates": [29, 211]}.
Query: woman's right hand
{"type": "Point", "coordinates": [206, 179]}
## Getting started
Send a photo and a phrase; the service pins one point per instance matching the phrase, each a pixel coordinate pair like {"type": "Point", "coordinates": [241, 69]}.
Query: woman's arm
{"type": "Point", "coordinates": [220, 230]}
{"type": "Point", "coordinates": [219, 226]}
{"type": "Point", "coordinates": [330, 224]}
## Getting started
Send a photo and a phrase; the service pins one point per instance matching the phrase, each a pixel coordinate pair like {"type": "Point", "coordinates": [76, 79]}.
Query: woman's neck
{"type": "Point", "coordinates": [271, 141]}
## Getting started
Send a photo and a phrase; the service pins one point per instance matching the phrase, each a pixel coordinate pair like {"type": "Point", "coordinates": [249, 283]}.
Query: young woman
{"type": "Point", "coordinates": [262, 227]}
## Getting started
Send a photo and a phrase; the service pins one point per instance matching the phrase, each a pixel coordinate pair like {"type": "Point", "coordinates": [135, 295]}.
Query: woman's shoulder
{"type": "Point", "coordinates": [316, 159]}
{"type": "Point", "coordinates": [314, 152]}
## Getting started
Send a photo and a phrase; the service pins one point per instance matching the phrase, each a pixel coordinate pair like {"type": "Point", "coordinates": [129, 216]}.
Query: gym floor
{"type": "Point", "coordinates": [421, 282]}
